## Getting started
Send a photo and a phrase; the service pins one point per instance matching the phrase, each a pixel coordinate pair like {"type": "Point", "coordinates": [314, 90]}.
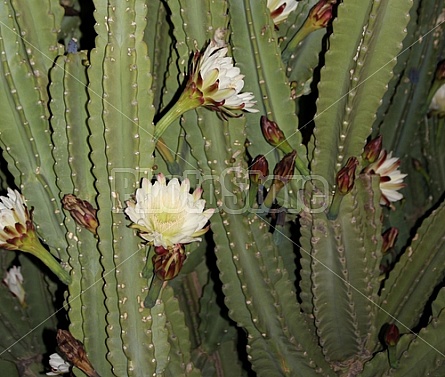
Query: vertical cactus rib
{"type": "Point", "coordinates": [26, 117]}
{"type": "Point", "coordinates": [345, 115]}
{"type": "Point", "coordinates": [178, 337]}
{"type": "Point", "coordinates": [115, 355]}
{"type": "Point", "coordinates": [73, 169]}
{"type": "Point", "coordinates": [428, 348]}
{"type": "Point", "coordinates": [413, 278]}
{"type": "Point", "coordinates": [64, 182]}
{"type": "Point", "coordinates": [260, 275]}
{"type": "Point", "coordinates": [256, 52]}
{"type": "Point", "coordinates": [127, 113]}
{"type": "Point", "coordinates": [331, 294]}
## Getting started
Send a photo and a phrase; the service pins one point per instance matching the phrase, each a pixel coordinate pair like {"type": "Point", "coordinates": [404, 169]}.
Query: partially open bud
{"type": "Point", "coordinates": [74, 352]}
{"type": "Point", "coordinates": [346, 176]}
{"type": "Point", "coordinates": [392, 335]}
{"type": "Point", "coordinates": [274, 136]}
{"type": "Point", "coordinates": [167, 262]}
{"type": "Point", "coordinates": [259, 170]}
{"type": "Point", "coordinates": [82, 212]}
{"type": "Point", "coordinates": [321, 14]}
{"type": "Point", "coordinates": [372, 149]}
{"type": "Point", "coordinates": [389, 239]}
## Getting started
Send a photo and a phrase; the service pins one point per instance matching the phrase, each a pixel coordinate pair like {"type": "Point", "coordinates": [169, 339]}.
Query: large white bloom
{"type": "Point", "coordinates": [280, 9]}
{"type": "Point", "coordinates": [391, 179]}
{"type": "Point", "coordinates": [58, 365]}
{"type": "Point", "coordinates": [166, 215]}
{"type": "Point", "coordinates": [14, 281]}
{"type": "Point", "coordinates": [217, 82]}
{"type": "Point", "coordinates": [14, 219]}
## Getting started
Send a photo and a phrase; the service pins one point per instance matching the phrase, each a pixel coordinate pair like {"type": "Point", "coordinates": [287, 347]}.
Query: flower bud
{"type": "Point", "coordinates": [284, 170]}
{"type": "Point", "coordinates": [274, 136]}
{"type": "Point", "coordinates": [389, 239]}
{"type": "Point", "coordinates": [74, 352]}
{"type": "Point", "coordinates": [82, 212]}
{"type": "Point", "coordinates": [321, 14]}
{"type": "Point", "coordinates": [346, 176]}
{"type": "Point", "coordinates": [259, 170]}
{"type": "Point", "coordinates": [167, 262]}
{"type": "Point", "coordinates": [392, 335]}
{"type": "Point", "coordinates": [271, 132]}
{"type": "Point", "coordinates": [372, 149]}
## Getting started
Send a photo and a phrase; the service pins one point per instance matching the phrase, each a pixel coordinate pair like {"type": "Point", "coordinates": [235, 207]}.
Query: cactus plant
{"type": "Point", "coordinates": [333, 265]}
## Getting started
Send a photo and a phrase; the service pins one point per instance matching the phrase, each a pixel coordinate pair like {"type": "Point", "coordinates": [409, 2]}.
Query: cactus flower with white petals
{"type": "Point", "coordinates": [391, 179]}
{"type": "Point", "coordinates": [14, 281]}
{"type": "Point", "coordinates": [167, 214]}
{"type": "Point", "coordinates": [280, 9]}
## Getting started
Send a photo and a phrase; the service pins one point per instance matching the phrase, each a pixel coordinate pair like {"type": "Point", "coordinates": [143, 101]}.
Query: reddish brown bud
{"type": "Point", "coordinates": [271, 132]}
{"type": "Point", "coordinates": [284, 170]}
{"type": "Point", "coordinates": [389, 239]}
{"type": "Point", "coordinates": [168, 262]}
{"type": "Point", "coordinates": [346, 176]}
{"type": "Point", "coordinates": [74, 352]}
{"type": "Point", "coordinates": [259, 169]}
{"type": "Point", "coordinates": [392, 335]}
{"type": "Point", "coordinates": [321, 14]}
{"type": "Point", "coordinates": [372, 149]}
{"type": "Point", "coordinates": [82, 212]}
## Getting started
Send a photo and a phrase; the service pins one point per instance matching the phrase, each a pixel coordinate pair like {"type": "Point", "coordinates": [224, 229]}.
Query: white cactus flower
{"type": "Point", "coordinates": [280, 9]}
{"type": "Point", "coordinates": [391, 179]}
{"type": "Point", "coordinates": [166, 215]}
{"type": "Point", "coordinates": [58, 365]}
{"type": "Point", "coordinates": [14, 220]}
{"type": "Point", "coordinates": [14, 281]}
{"type": "Point", "coordinates": [216, 82]}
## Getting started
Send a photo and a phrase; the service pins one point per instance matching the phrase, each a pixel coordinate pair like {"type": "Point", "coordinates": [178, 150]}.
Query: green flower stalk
{"type": "Point", "coordinates": [345, 182]}
{"type": "Point", "coordinates": [213, 82]}
{"type": "Point", "coordinates": [17, 233]}
{"type": "Point", "coordinates": [319, 17]}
